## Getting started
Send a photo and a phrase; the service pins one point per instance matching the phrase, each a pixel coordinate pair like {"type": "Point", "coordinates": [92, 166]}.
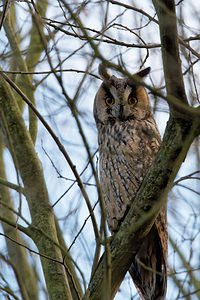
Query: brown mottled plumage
{"type": "Point", "coordinates": [128, 141]}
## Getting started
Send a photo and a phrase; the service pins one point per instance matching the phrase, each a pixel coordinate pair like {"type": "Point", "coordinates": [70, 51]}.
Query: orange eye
{"type": "Point", "coordinates": [132, 100]}
{"type": "Point", "coordinates": [109, 101]}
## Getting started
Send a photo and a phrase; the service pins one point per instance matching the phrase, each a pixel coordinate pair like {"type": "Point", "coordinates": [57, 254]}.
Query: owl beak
{"type": "Point", "coordinates": [121, 111]}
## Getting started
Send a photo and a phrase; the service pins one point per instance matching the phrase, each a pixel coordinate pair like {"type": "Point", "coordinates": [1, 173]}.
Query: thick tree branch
{"type": "Point", "coordinates": [36, 194]}
{"type": "Point", "coordinates": [61, 148]}
{"type": "Point", "coordinates": [26, 83]}
{"type": "Point", "coordinates": [170, 50]}
{"type": "Point", "coordinates": [156, 185]}
{"type": "Point", "coordinates": [178, 137]}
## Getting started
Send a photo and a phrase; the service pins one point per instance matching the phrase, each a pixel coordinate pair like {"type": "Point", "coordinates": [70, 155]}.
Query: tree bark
{"type": "Point", "coordinates": [170, 49]}
{"type": "Point", "coordinates": [180, 132]}
{"type": "Point", "coordinates": [36, 195]}
{"type": "Point", "coordinates": [16, 254]}
{"type": "Point", "coordinates": [154, 189]}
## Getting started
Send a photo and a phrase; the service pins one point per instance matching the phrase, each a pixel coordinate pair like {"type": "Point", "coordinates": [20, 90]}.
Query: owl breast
{"type": "Point", "coordinates": [128, 141]}
{"type": "Point", "coordinates": [126, 151]}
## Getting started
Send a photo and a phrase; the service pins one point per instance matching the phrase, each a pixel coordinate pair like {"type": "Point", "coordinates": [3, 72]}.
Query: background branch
{"type": "Point", "coordinates": [49, 187]}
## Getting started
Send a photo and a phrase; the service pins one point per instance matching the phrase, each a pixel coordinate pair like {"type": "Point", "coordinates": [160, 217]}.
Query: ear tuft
{"type": "Point", "coordinates": [144, 72]}
{"type": "Point", "coordinates": [103, 72]}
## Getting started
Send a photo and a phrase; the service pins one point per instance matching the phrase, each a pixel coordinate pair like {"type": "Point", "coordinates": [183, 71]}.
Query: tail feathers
{"type": "Point", "coordinates": [149, 269]}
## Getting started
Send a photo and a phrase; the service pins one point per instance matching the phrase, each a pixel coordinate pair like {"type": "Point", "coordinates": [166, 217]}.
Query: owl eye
{"type": "Point", "coordinates": [109, 101]}
{"type": "Point", "coordinates": [132, 100]}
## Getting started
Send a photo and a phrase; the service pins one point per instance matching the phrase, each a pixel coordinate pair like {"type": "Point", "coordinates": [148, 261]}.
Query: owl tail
{"type": "Point", "coordinates": [149, 269]}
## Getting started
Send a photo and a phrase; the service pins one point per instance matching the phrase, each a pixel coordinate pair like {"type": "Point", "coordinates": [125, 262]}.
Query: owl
{"type": "Point", "coordinates": [128, 141]}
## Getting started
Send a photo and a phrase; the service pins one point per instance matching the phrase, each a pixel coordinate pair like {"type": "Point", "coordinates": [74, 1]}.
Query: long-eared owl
{"type": "Point", "coordinates": [128, 141]}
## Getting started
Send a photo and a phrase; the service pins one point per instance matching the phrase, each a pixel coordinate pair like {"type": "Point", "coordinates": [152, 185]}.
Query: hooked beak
{"type": "Point", "coordinates": [121, 110]}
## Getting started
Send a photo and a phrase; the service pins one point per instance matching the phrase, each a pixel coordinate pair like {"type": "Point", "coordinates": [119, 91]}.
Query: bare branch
{"type": "Point", "coordinates": [170, 52]}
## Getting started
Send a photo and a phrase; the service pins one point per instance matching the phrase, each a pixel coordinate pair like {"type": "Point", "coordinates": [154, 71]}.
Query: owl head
{"type": "Point", "coordinates": [121, 99]}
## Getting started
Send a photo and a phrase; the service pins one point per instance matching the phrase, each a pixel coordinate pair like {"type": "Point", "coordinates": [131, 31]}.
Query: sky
{"type": "Point", "coordinates": [71, 209]}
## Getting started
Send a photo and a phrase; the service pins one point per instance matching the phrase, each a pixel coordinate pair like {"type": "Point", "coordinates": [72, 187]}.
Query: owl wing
{"type": "Point", "coordinates": [149, 267]}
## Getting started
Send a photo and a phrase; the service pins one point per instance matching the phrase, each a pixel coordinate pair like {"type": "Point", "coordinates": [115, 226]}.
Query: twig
{"type": "Point", "coordinates": [11, 185]}
{"type": "Point", "coordinates": [16, 212]}
{"type": "Point", "coordinates": [31, 250]}
{"type": "Point", "coordinates": [189, 176]}
{"type": "Point", "coordinates": [81, 229]}
{"type": "Point", "coordinates": [73, 182]}
{"type": "Point", "coordinates": [5, 10]}
{"type": "Point", "coordinates": [60, 146]}
{"type": "Point", "coordinates": [50, 72]}
{"type": "Point", "coordinates": [18, 277]}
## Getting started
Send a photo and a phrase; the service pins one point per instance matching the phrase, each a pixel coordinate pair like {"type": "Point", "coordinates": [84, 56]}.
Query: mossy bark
{"type": "Point", "coordinates": [18, 256]}
{"type": "Point", "coordinates": [180, 132]}
{"type": "Point", "coordinates": [36, 194]}
{"type": "Point", "coordinates": [170, 49]}
{"type": "Point", "coordinates": [74, 283]}
{"type": "Point", "coordinates": [25, 82]}
{"type": "Point", "coordinates": [152, 194]}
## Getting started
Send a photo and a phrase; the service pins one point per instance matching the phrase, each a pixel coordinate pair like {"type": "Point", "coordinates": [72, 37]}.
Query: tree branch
{"type": "Point", "coordinates": [61, 148]}
{"type": "Point", "coordinates": [11, 185]}
{"type": "Point", "coordinates": [36, 195]}
{"type": "Point", "coordinates": [170, 50]}
{"type": "Point", "coordinates": [155, 187]}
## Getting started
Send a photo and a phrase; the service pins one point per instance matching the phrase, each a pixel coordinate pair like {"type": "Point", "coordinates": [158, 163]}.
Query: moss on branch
{"type": "Point", "coordinates": [177, 139]}
{"type": "Point", "coordinates": [36, 193]}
